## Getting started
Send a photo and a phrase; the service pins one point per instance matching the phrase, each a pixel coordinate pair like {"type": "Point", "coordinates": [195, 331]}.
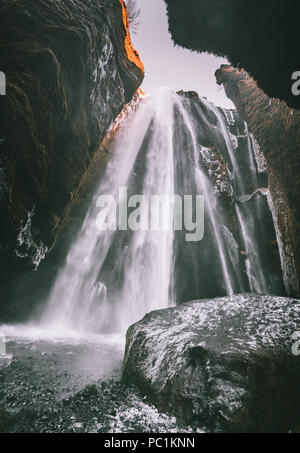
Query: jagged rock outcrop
{"type": "Point", "coordinates": [222, 365]}
{"type": "Point", "coordinates": [260, 36]}
{"type": "Point", "coordinates": [70, 68]}
{"type": "Point", "coordinates": [277, 131]}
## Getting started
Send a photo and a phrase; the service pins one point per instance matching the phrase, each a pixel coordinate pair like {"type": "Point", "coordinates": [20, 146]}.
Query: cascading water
{"type": "Point", "coordinates": [255, 271]}
{"type": "Point", "coordinates": [81, 298]}
{"type": "Point", "coordinates": [169, 145]}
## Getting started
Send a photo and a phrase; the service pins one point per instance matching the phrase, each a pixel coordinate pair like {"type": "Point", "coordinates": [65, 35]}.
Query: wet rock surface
{"type": "Point", "coordinates": [226, 364]}
{"type": "Point", "coordinates": [277, 131]}
{"type": "Point", "coordinates": [70, 67]}
{"type": "Point", "coordinates": [229, 156]}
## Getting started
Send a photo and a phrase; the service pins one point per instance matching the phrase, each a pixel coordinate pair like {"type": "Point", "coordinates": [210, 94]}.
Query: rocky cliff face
{"type": "Point", "coordinates": [260, 36]}
{"type": "Point", "coordinates": [70, 68]}
{"type": "Point", "coordinates": [277, 130]}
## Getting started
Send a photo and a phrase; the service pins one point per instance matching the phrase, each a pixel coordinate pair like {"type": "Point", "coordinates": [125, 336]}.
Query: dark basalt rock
{"type": "Point", "coordinates": [189, 94]}
{"type": "Point", "coordinates": [223, 364]}
{"type": "Point", "coordinates": [277, 131]}
{"type": "Point", "coordinates": [70, 68]}
{"type": "Point", "coordinates": [260, 36]}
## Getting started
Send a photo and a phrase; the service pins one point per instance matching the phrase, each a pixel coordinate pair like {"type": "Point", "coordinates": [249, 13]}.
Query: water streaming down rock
{"type": "Point", "coordinates": [243, 185]}
{"type": "Point", "coordinates": [170, 145]}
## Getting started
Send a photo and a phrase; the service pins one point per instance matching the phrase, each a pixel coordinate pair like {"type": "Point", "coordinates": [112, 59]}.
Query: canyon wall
{"type": "Point", "coordinates": [70, 68]}
{"type": "Point", "coordinates": [277, 130]}
{"type": "Point", "coordinates": [262, 40]}
{"type": "Point", "coordinates": [261, 37]}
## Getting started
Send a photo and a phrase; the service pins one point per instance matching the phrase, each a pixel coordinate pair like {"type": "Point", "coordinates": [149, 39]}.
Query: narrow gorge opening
{"type": "Point", "coordinates": [170, 144]}
{"type": "Point", "coordinates": [167, 64]}
{"type": "Point", "coordinates": [154, 231]}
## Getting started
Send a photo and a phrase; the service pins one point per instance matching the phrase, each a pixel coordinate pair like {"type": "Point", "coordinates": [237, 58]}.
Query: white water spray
{"type": "Point", "coordinates": [75, 302]}
{"type": "Point", "coordinates": [112, 279]}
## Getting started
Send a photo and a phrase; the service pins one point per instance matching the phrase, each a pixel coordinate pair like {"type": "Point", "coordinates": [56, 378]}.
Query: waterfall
{"type": "Point", "coordinates": [170, 145]}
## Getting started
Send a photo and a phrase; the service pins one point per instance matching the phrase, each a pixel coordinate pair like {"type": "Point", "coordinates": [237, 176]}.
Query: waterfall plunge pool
{"type": "Point", "coordinates": [70, 383]}
{"type": "Point", "coordinates": [57, 381]}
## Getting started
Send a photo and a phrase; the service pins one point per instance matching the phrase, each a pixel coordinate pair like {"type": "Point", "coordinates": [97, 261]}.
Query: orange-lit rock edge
{"type": "Point", "coordinates": [95, 169]}
{"type": "Point", "coordinates": [132, 54]}
{"type": "Point", "coordinates": [98, 163]}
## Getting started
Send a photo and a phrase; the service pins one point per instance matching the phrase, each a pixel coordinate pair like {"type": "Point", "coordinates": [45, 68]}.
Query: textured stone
{"type": "Point", "coordinates": [277, 131]}
{"type": "Point", "coordinates": [222, 364]}
{"type": "Point", "coordinates": [70, 68]}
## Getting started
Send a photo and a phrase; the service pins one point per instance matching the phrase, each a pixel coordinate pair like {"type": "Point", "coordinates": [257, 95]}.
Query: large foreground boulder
{"type": "Point", "coordinates": [224, 364]}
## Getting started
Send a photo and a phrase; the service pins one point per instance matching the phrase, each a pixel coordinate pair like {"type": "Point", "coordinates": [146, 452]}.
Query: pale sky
{"type": "Point", "coordinates": [166, 65]}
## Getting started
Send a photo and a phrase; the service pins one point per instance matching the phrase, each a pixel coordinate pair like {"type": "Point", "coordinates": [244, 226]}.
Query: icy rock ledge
{"type": "Point", "coordinates": [224, 364]}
